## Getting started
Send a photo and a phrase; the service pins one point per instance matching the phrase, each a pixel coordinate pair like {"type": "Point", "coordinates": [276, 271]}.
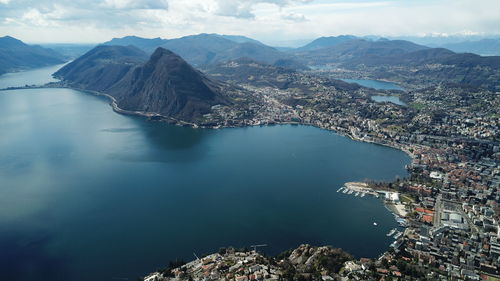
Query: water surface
{"type": "Point", "coordinates": [375, 84]}
{"type": "Point", "coordinates": [88, 194]}
{"type": "Point", "coordinates": [38, 76]}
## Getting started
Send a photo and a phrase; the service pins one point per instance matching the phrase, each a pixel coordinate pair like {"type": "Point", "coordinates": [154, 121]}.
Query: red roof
{"type": "Point", "coordinates": [427, 218]}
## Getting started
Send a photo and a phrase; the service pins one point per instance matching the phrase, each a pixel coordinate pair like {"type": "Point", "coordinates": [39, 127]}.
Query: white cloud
{"type": "Point", "coordinates": [136, 4]}
{"type": "Point", "coordinates": [296, 17]}
{"type": "Point", "coordinates": [267, 20]}
{"type": "Point", "coordinates": [245, 8]}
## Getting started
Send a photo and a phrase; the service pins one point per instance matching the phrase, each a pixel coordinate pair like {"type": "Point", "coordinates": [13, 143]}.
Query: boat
{"type": "Point", "coordinates": [363, 194]}
{"type": "Point", "coordinates": [375, 224]}
{"type": "Point", "coordinates": [340, 189]}
{"type": "Point", "coordinates": [398, 235]}
{"type": "Point", "coordinates": [345, 191]}
{"type": "Point", "coordinates": [391, 232]}
{"type": "Point", "coordinates": [350, 192]}
{"type": "Point", "coordinates": [356, 194]}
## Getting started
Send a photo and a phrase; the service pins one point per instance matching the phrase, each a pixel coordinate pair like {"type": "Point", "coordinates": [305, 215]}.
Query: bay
{"type": "Point", "coordinates": [88, 194]}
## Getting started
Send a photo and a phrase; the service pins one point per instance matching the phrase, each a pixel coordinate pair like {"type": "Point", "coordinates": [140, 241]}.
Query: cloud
{"type": "Point", "coordinates": [97, 13]}
{"type": "Point", "coordinates": [244, 8]}
{"type": "Point", "coordinates": [134, 4]}
{"type": "Point", "coordinates": [266, 20]}
{"type": "Point", "coordinates": [295, 17]}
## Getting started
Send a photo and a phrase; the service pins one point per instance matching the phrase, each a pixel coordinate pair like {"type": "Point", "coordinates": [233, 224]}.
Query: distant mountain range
{"type": "Point", "coordinates": [206, 49]}
{"type": "Point", "coordinates": [16, 55]}
{"type": "Point", "coordinates": [485, 47]}
{"type": "Point", "coordinates": [163, 84]}
{"type": "Point", "coordinates": [356, 51]}
{"type": "Point", "coordinates": [325, 42]}
{"type": "Point", "coordinates": [461, 44]}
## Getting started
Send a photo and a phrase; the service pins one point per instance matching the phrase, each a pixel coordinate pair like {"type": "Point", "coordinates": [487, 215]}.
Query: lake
{"type": "Point", "coordinates": [375, 84]}
{"type": "Point", "coordinates": [38, 76]}
{"type": "Point", "coordinates": [89, 194]}
{"type": "Point", "coordinates": [379, 85]}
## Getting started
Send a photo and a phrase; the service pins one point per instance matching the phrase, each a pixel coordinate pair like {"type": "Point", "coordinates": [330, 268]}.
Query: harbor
{"type": "Point", "coordinates": [391, 200]}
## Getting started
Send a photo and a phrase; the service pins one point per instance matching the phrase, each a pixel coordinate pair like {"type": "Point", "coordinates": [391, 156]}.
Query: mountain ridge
{"type": "Point", "coordinates": [16, 55]}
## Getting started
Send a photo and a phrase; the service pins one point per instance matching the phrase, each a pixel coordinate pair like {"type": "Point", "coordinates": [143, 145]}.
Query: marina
{"type": "Point", "coordinates": [360, 189]}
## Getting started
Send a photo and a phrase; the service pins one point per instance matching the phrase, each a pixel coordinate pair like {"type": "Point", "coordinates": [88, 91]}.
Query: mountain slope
{"type": "Point", "coordinates": [145, 44]}
{"type": "Point", "coordinates": [205, 49]}
{"type": "Point", "coordinates": [485, 47]}
{"type": "Point", "coordinates": [101, 67]}
{"type": "Point", "coordinates": [16, 55]}
{"type": "Point", "coordinates": [324, 42]}
{"type": "Point", "coordinates": [165, 84]}
{"type": "Point", "coordinates": [358, 49]}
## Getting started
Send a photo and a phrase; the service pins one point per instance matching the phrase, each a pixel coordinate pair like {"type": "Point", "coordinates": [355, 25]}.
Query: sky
{"type": "Point", "coordinates": [276, 22]}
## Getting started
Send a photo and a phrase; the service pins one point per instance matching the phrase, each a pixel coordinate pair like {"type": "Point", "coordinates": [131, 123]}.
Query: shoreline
{"type": "Point", "coordinates": [161, 118]}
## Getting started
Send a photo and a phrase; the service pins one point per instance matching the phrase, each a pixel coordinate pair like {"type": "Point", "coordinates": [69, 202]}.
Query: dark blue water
{"type": "Point", "coordinates": [88, 194]}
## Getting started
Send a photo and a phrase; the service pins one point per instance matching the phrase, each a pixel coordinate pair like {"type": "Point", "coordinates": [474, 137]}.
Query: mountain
{"type": "Point", "coordinates": [485, 47]}
{"type": "Point", "coordinates": [167, 85]}
{"type": "Point", "coordinates": [204, 49]}
{"type": "Point", "coordinates": [145, 44]}
{"type": "Point", "coordinates": [164, 84]}
{"type": "Point", "coordinates": [16, 55]}
{"type": "Point", "coordinates": [324, 42]}
{"type": "Point", "coordinates": [101, 67]}
{"type": "Point", "coordinates": [466, 69]}
{"type": "Point", "coordinates": [69, 50]}
{"type": "Point", "coordinates": [419, 57]}
{"type": "Point", "coordinates": [358, 50]}
{"type": "Point", "coordinates": [241, 39]}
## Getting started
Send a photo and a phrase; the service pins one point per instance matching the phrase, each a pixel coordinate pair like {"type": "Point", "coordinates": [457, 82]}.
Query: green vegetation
{"type": "Point", "coordinates": [417, 106]}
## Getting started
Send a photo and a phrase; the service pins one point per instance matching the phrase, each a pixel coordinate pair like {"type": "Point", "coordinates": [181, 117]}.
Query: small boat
{"type": "Point", "coordinates": [375, 224]}
{"type": "Point", "coordinates": [356, 194]}
{"type": "Point", "coordinates": [340, 189]}
{"type": "Point", "coordinates": [345, 191]}
{"type": "Point", "coordinates": [350, 192]}
{"type": "Point", "coordinates": [398, 235]}
{"type": "Point", "coordinates": [363, 194]}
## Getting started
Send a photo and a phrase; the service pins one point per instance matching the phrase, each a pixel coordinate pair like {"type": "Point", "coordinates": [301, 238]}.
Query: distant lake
{"type": "Point", "coordinates": [379, 85]}
{"type": "Point", "coordinates": [375, 84]}
{"type": "Point", "coordinates": [89, 194]}
{"type": "Point", "coordinates": [37, 77]}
